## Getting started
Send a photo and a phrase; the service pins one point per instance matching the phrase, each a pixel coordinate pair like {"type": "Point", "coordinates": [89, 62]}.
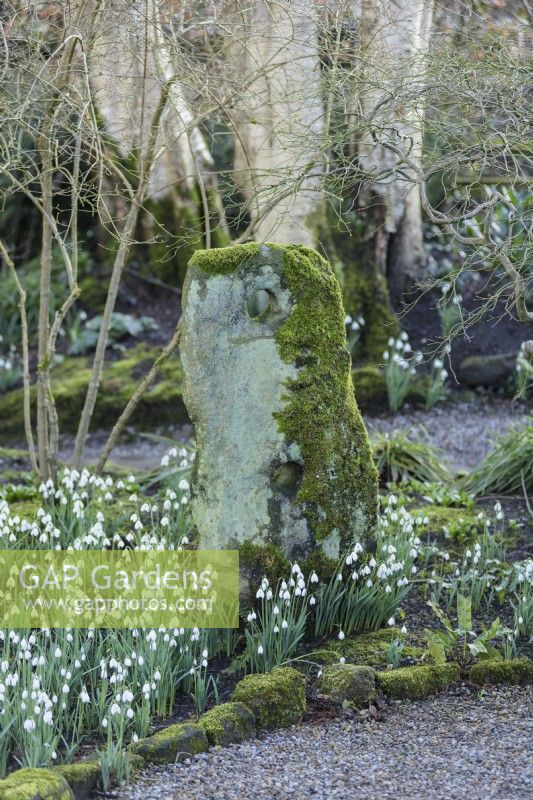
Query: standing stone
{"type": "Point", "coordinates": [282, 453]}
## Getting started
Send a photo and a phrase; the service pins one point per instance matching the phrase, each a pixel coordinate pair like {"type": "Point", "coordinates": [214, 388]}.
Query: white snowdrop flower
{"type": "Point", "coordinates": [130, 713]}
{"type": "Point", "coordinates": [183, 485]}
{"type": "Point", "coordinates": [403, 629]}
{"type": "Point", "coordinates": [314, 577]}
{"type": "Point", "coordinates": [391, 342]}
{"type": "Point", "coordinates": [84, 695]}
{"type": "Point", "coordinates": [57, 652]}
{"type": "Point", "coordinates": [391, 621]}
{"type": "Point", "coordinates": [340, 635]}
{"type": "Point", "coordinates": [319, 674]}
{"type": "Point", "coordinates": [260, 594]}
{"type": "Point", "coordinates": [135, 737]}
{"type": "Point", "coordinates": [127, 696]}
{"type": "Point", "coordinates": [312, 601]}
{"type": "Point", "coordinates": [347, 319]}
{"type": "Point", "coordinates": [104, 723]}
{"type": "Point", "coordinates": [114, 710]}
{"type": "Point", "coordinates": [164, 522]}
{"type": "Point", "coordinates": [369, 583]}
{"type": "Point", "coordinates": [342, 660]}
{"type": "Point", "coordinates": [284, 624]}
{"type": "Point", "coordinates": [385, 355]}
{"type": "Point", "coordinates": [339, 576]}
{"type": "Point", "coordinates": [65, 688]}
{"type": "Point", "coordinates": [48, 718]}
{"type": "Point", "coordinates": [29, 725]}
{"type": "Point", "coordinates": [275, 629]}
{"type": "Point", "coordinates": [260, 650]}
{"type": "Point", "coordinates": [165, 461]}
{"type": "Point", "coordinates": [157, 675]}
{"type": "Point", "coordinates": [388, 589]}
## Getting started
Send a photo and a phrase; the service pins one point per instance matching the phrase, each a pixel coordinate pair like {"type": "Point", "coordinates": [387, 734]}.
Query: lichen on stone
{"type": "Point", "coordinates": [173, 742]}
{"type": "Point", "coordinates": [277, 699]}
{"type": "Point", "coordinates": [333, 482]}
{"type": "Point", "coordinates": [347, 684]}
{"type": "Point", "coordinates": [228, 723]}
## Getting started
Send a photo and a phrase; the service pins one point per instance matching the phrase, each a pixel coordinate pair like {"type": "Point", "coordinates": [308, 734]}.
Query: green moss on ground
{"type": "Point", "coordinates": [228, 723]}
{"type": "Point", "coordinates": [368, 649]}
{"type": "Point", "coordinates": [347, 684]}
{"type": "Point", "coordinates": [162, 403]}
{"type": "Point", "coordinates": [456, 524]}
{"type": "Point", "coordinates": [518, 671]}
{"type": "Point", "coordinates": [175, 742]}
{"type": "Point", "coordinates": [276, 699]}
{"type": "Point", "coordinates": [415, 683]}
{"type": "Point", "coordinates": [35, 784]}
{"type": "Point", "coordinates": [338, 489]}
{"type": "Point", "coordinates": [82, 777]}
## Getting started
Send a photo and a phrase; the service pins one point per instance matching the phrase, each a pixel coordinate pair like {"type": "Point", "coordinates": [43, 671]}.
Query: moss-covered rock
{"type": "Point", "coordinates": [370, 388]}
{"type": "Point", "coordinates": [518, 671]}
{"type": "Point", "coordinates": [295, 440]}
{"type": "Point", "coordinates": [82, 776]}
{"type": "Point", "coordinates": [174, 742]}
{"type": "Point", "coordinates": [369, 649]}
{"type": "Point", "coordinates": [228, 723]}
{"type": "Point", "coordinates": [415, 683]}
{"type": "Point", "coordinates": [162, 403]}
{"type": "Point", "coordinates": [276, 699]}
{"type": "Point", "coordinates": [347, 684]}
{"type": "Point", "coordinates": [35, 784]}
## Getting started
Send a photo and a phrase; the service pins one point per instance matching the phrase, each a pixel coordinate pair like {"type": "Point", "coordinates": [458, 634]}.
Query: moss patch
{"type": "Point", "coordinates": [456, 524]}
{"type": "Point", "coordinates": [347, 684]}
{"type": "Point", "coordinates": [368, 649]}
{"type": "Point", "coordinates": [415, 683]}
{"type": "Point", "coordinates": [276, 699]}
{"type": "Point", "coordinates": [518, 671]}
{"type": "Point", "coordinates": [35, 784]}
{"type": "Point", "coordinates": [228, 723]}
{"type": "Point", "coordinates": [162, 403]}
{"type": "Point", "coordinates": [82, 777]}
{"type": "Point", "coordinates": [175, 742]}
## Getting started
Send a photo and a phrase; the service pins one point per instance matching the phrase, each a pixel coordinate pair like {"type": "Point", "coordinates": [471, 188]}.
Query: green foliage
{"type": "Point", "coordinates": [400, 459]}
{"type": "Point", "coordinates": [524, 373]}
{"type": "Point", "coordinates": [460, 643]}
{"type": "Point", "coordinates": [122, 326]}
{"type": "Point", "coordinates": [434, 387]}
{"type": "Point", "coordinates": [399, 370]}
{"type": "Point", "coordinates": [507, 468]}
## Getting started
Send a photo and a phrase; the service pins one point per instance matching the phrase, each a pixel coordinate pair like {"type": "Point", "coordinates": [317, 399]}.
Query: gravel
{"type": "Point", "coordinates": [451, 746]}
{"type": "Point", "coordinates": [464, 431]}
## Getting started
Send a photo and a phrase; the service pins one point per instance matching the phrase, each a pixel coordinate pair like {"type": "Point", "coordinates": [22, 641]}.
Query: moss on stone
{"type": "Point", "coordinates": [338, 489]}
{"type": "Point", "coordinates": [162, 403]}
{"type": "Point", "coordinates": [415, 683]}
{"type": "Point", "coordinates": [174, 742]}
{"type": "Point", "coordinates": [277, 699]}
{"type": "Point", "coordinates": [518, 671]}
{"type": "Point", "coordinates": [317, 561]}
{"type": "Point", "coordinates": [347, 684]}
{"type": "Point", "coordinates": [258, 560]}
{"type": "Point", "coordinates": [81, 776]}
{"type": "Point", "coordinates": [228, 723]}
{"type": "Point", "coordinates": [35, 784]}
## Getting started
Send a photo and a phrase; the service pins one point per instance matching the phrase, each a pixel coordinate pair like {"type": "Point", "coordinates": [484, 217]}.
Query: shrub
{"type": "Point", "coordinates": [507, 468]}
{"type": "Point", "coordinates": [400, 460]}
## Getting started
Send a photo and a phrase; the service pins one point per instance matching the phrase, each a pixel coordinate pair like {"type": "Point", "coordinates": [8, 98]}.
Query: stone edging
{"type": "Point", "coordinates": [259, 702]}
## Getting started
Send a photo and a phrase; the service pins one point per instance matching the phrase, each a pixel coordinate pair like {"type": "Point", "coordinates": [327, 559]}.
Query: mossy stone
{"type": "Point", "coordinates": [457, 524]}
{"type": "Point", "coordinates": [290, 461]}
{"type": "Point", "coordinates": [369, 649]}
{"type": "Point", "coordinates": [228, 723]}
{"type": "Point", "coordinates": [415, 683]}
{"type": "Point", "coordinates": [81, 776]}
{"type": "Point", "coordinates": [276, 699]}
{"type": "Point", "coordinates": [162, 403]}
{"type": "Point", "coordinates": [176, 742]}
{"type": "Point", "coordinates": [35, 784]}
{"type": "Point", "coordinates": [517, 672]}
{"type": "Point", "coordinates": [347, 684]}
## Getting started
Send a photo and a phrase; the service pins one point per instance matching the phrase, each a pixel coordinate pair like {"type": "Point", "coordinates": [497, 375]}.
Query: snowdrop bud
{"type": "Point", "coordinates": [341, 635]}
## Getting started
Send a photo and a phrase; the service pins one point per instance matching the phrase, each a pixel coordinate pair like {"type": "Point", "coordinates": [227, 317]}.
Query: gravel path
{"type": "Point", "coordinates": [475, 746]}
{"type": "Point", "coordinates": [463, 430]}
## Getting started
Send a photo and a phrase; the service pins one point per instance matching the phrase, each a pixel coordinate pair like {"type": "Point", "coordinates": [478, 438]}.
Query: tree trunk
{"type": "Point", "coordinates": [394, 42]}
{"type": "Point", "coordinates": [279, 118]}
